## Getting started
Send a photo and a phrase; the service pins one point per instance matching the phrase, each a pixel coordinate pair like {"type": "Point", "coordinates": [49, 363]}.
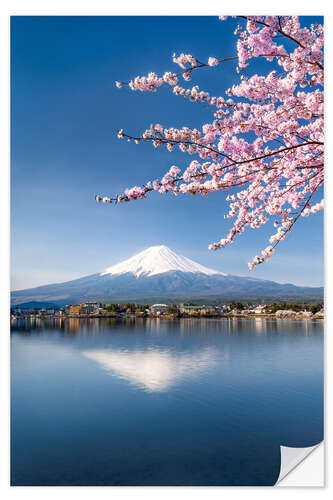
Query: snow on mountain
{"type": "Point", "coordinates": [158, 274]}
{"type": "Point", "coordinates": [157, 260]}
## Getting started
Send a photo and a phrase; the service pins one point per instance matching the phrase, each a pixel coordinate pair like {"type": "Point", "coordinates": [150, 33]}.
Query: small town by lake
{"type": "Point", "coordinates": [91, 309]}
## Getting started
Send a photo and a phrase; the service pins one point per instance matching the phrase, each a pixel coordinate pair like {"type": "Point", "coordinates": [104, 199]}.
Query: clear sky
{"type": "Point", "coordinates": [65, 114]}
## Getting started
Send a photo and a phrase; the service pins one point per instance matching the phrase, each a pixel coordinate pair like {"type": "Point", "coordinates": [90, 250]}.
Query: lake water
{"type": "Point", "coordinates": [157, 402]}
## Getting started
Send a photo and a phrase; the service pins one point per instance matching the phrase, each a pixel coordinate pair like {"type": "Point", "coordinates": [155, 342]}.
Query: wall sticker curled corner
{"type": "Point", "coordinates": [292, 458]}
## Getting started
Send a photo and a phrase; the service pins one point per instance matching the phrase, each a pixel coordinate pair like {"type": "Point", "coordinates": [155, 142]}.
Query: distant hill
{"type": "Point", "coordinates": [159, 274]}
{"type": "Point", "coordinates": [37, 305]}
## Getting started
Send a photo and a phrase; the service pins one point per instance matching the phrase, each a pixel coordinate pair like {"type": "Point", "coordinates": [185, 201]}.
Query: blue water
{"type": "Point", "coordinates": [157, 402]}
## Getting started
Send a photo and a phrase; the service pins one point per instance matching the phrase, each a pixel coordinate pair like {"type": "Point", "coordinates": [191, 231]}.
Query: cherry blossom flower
{"type": "Point", "coordinates": [265, 142]}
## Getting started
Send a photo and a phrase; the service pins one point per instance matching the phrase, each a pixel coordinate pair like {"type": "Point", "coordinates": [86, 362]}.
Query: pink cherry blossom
{"type": "Point", "coordinates": [274, 177]}
{"type": "Point", "coordinates": [212, 61]}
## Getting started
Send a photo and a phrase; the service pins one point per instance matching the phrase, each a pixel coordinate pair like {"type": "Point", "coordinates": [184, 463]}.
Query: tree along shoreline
{"type": "Point", "coordinates": [173, 317]}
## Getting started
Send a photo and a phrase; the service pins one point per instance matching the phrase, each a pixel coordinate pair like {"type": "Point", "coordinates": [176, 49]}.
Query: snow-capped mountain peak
{"type": "Point", "coordinates": [158, 274]}
{"type": "Point", "coordinates": [158, 260]}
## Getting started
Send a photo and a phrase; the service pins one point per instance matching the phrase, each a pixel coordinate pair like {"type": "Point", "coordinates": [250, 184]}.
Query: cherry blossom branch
{"type": "Point", "coordinates": [219, 153]}
{"type": "Point", "coordinates": [283, 33]}
{"type": "Point", "coordinates": [264, 180]}
{"type": "Point", "coordinates": [266, 254]}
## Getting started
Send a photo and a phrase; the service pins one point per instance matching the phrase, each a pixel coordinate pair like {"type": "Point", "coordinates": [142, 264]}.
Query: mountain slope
{"type": "Point", "coordinates": [160, 274]}
{"type": "Point", "coordinates": [157, 260]}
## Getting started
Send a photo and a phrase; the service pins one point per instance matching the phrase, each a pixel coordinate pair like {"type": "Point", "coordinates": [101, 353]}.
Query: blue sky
{"type": "Point", "coordinates": [65, 114]}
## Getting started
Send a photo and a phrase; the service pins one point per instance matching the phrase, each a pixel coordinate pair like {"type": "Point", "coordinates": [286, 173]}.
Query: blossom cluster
{"type": "Point", "coordinates": [265, 144]}
{"type": "Point", "coordinates": [185, 59]}
{"type": "Point", "coordinates": [266, 254]}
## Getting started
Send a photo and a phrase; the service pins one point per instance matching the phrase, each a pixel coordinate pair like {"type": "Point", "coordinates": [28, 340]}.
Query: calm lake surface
{"type": "Point", "coordinates": [157, 402]}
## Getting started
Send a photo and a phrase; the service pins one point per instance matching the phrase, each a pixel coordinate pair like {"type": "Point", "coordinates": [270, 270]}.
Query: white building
{"type": "Point", "coordinates": [89, 308]}
{"type": "Point", "coordinates": [158, 308]}
{"type": "Point", "coordinates": [260, 309]}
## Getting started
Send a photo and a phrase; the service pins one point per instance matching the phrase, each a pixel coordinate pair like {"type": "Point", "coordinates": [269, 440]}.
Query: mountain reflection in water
{"type": "Point", "coordinates": [156, 402]}
{"type": "Point", "coordinates": [153, 370]}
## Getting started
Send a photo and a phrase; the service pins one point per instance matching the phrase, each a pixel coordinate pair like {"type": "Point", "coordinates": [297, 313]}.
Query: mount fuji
{"type": "Point", "coordinates": [158, 273]}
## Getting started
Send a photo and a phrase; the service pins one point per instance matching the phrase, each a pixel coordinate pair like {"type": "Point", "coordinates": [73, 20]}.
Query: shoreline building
{"type": "Point", "coordinates": [158, 308]}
